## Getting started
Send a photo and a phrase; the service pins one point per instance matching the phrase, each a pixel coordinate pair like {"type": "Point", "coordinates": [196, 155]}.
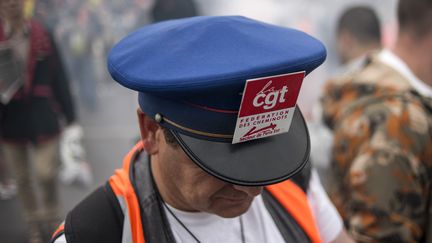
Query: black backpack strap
{"type": "Point", "coordinates": [98, 218]}
{"type": "Point", "coordinates": [302, 178]}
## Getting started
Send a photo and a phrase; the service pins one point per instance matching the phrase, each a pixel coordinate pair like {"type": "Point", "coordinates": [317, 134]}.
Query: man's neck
{"type": "Point", "coordinates": [164, 187]}
{"type": "Point", "coordinates": [416, 54]}
{"type": "Point", "coordinates": [360, 50]}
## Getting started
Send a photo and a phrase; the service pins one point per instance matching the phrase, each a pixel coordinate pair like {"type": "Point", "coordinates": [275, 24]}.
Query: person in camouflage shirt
{"type": "Point", "coordinates": [381, 116]}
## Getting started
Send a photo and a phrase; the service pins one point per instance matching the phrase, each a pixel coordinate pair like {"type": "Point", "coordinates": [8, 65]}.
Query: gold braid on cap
{"type": "Point", "coordinates": [159, 118]}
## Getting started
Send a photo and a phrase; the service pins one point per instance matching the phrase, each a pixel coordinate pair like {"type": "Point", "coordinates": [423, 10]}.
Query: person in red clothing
{"type": "Point", "coordinates": [32, 117]}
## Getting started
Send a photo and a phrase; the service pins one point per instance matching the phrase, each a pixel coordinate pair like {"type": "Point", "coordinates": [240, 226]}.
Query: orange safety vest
{"type": "Point", "coordinates": [287, 193]}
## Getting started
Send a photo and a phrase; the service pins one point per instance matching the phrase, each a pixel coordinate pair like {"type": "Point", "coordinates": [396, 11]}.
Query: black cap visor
{"type": "Point", "coordinates": [254, 163]}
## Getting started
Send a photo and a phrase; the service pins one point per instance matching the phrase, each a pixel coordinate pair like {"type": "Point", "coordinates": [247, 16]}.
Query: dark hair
{"type": "Point", "coordinates": [415, 16]}
{"type": "Point", "coordinates": [362, 23]}
{"type": "Point", "coordinates": [169, 138]}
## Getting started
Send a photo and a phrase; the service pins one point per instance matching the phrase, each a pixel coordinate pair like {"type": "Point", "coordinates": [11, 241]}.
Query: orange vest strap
{"type": "Point", "coordinates": [122, 187]}
{"type": "Point", "coordinates": [58, 232]}
{"type": "Point", "coordinates": [295, 201]}
{"type": "Point", "coordinates": [288, 194]}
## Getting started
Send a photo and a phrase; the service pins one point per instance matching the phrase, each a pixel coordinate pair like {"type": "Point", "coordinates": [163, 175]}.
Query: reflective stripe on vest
{"type": "Point", "coordinates": [287, 193]}
{"type": "Point", "coordinates": [124, 191]}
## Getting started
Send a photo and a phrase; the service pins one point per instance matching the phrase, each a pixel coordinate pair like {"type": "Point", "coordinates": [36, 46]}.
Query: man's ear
{"type": "Point", "coordinates": [148, 128]}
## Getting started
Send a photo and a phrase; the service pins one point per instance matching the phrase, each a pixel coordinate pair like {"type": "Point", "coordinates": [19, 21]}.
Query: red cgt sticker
{"type": "Point", "coordinates": [267, 106]}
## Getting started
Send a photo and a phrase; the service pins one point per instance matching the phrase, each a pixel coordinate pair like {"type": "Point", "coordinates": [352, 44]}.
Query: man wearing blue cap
{"type": "Point", "coordinates": [221, 138]}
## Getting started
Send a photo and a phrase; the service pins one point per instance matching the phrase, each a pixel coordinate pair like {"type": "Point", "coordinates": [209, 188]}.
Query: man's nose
{"type": "Point", "coordinates": [250, 190]}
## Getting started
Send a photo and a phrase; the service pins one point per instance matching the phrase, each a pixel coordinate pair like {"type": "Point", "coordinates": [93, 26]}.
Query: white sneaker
{"type": "Point", "coordinates": [8, 191]}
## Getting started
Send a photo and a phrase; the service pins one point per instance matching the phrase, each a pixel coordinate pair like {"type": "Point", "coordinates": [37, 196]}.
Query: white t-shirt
{"type": "Point", "coordinates": [258, 225]}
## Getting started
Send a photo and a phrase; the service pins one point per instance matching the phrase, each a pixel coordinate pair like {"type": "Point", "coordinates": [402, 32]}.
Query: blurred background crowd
{"type": "Point", "coordinates": [85, 30]}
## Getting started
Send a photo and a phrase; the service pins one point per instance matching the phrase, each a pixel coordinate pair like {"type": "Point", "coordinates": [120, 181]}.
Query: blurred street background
{"type": "Point", "coordinates": [85, 30]}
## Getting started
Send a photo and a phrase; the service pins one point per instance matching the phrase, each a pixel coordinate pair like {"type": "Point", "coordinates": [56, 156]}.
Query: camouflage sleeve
{"type": "Point", "coordinates": [383, 158]}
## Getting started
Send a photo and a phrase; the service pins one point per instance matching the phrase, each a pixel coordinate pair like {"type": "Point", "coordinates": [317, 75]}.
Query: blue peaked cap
{"type": "Point", "coordinates": [190, 74]}
{"type": "Point", "coordinates": [188, 68]}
